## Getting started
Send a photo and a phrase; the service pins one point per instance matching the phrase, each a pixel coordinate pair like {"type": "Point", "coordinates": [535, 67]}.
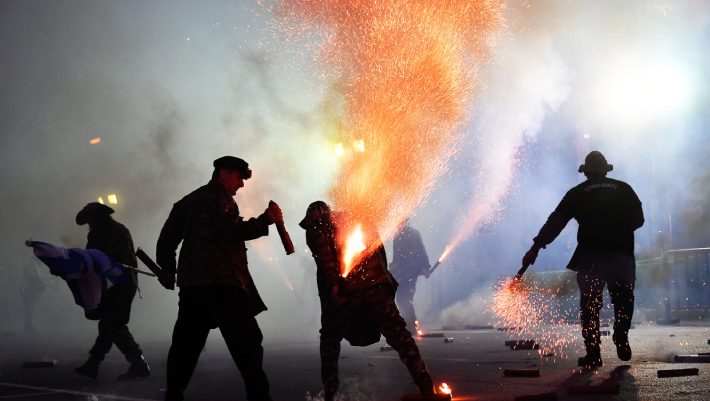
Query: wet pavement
{"type": "Point", "coordinates": [472, 362]}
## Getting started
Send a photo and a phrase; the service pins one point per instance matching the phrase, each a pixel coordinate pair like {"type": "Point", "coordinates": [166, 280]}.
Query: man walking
{"type": "Point", "coordinates": [114, 311]}
{"type": "Point", "coordinates": [216, 288]}
{"type": "Point", "coordinates": [608, 212]}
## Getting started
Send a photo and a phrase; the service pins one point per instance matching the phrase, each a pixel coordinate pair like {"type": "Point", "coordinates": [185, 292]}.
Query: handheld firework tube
{"type": "Point", "coordinates": [283, 234]}
{"type": "Point", "coordinates": [519, 274]}
{"type": "Point", "coordinates": [143, 257]}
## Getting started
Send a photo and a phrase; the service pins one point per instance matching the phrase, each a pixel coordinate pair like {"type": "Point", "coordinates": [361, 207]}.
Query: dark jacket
{"type": "Point", "coordinates": [325, 242]}
{"type": "Point", "coordinates": [608, 212]}
{"type": "Point", "coordinates": [410, 259]}
{"type": "Point", "coordinates": [113, 239]}
{"type": "Point", "coordinates": [213, 236]}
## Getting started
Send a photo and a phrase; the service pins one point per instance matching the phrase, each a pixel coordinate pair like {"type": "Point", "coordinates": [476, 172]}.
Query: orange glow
{"type": "Point", "coordinates": [359, 145]}
{"type": "Point", "coordinates": [406, 74]}
{"type": "Point", "coordinates": [354, 245]}
{"type": "Point", "coordinates": [96, 140]}
{"type": "Point", "coordinates": [444, 389]}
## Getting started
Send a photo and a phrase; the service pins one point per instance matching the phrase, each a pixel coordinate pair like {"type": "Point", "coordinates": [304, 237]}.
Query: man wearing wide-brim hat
{"type": "Point", "coordinates": [114, 311]}
{"type": "Point", "coordinates": [608, 212]}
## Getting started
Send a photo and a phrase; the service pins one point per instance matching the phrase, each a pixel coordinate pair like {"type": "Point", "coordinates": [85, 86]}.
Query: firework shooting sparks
{"type": "Point", "coordinates": [470, 117]}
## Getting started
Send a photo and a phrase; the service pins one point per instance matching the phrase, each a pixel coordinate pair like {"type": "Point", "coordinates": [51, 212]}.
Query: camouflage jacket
{"type": "Point", "coordinates": [213, 236]}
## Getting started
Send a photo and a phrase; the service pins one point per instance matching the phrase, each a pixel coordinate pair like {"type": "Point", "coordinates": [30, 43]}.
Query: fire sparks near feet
{"type": "Point", "coordinates": [535, 311]}
{"type": "Point", "coordinates": [445, 389]}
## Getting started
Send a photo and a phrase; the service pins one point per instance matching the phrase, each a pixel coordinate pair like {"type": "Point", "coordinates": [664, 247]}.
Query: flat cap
{"type": "Point", "coordinates": [233, 163]}
{"type": "Point", "coordinates": [91, 210]}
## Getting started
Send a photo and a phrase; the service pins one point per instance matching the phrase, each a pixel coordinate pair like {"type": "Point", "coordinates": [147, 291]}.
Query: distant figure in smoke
{"type": "Point", "coordinates": [359, 305]}
{"type": "Point", "coordinates": [32, 287]}
{"type": "Point", "coordinates": [608, 212]}
{"type": "Point", "coordinates": [216, 288]}
{"type": "Point", "coordinates": [114, 311]}
{"type": "Point", "coordinates": [409, 262]}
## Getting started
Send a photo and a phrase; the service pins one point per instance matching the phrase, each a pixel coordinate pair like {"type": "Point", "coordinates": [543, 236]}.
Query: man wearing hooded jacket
{"type": "Point", "coordinates": [364, 297]}
{"type": "Point", "coordinates": [608, 212]}
{"type": "Point", "coordinates": [216, 288]}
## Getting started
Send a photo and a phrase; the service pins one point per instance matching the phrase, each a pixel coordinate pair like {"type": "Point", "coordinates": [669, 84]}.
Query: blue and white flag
{"type": "Point", "coordinates": [88, 272]}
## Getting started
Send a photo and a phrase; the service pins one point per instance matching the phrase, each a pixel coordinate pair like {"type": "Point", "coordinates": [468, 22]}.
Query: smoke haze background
{"type": "Point", "coordinates": [170, 86]}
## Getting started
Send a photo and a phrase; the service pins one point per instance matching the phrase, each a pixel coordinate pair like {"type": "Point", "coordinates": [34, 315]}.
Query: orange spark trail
{"type": "Point", "coordinates": [407, 73]}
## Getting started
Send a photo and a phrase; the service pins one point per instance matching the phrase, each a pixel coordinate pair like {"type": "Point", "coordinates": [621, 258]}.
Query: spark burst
{"type": "Point", "coordinates": [535, 311]}
{"type": "Point", "coordinates": [407, 73]}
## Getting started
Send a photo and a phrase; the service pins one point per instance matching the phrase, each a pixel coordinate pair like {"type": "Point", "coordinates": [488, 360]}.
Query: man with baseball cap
{"type": "Point", "coordinates": [216, 288]}
{"type": "Point", "coordinates": [608, 212]}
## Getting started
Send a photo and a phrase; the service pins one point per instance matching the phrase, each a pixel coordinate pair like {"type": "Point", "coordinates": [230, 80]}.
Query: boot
{"type": "Point", "coordinates": [139, 368]}
{"type": "Point", "coordinates": [592, 360]}
{"type": "Point", "coordinates": [90, 368]}
{"type": "Point", "coordinates": [623, 348]}
{"type": "Point", "coordinates": [426, 386]}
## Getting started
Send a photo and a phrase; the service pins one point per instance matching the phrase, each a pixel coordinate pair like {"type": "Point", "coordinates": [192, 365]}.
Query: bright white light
{"type": "Point", "coordinates": [632, 92]}
{"type": "Point", "coordinates": [112, 199]}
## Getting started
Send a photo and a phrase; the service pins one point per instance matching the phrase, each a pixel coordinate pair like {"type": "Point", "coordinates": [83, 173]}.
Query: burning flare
{"type": "Point", "coordinates": [445, 389]}
{"type": "Point", "coordinates": [354, 246]}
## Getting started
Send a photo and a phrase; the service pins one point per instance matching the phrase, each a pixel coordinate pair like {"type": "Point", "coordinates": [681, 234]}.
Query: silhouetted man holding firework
{"type": "Point", "coordinates": [216, 288]}
{"type": "Point", "coordinates": [359, 304]}
{"type": "Point", "coordinates": [608, 212]}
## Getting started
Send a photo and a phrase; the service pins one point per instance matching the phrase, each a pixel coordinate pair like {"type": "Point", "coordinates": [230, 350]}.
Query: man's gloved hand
{"type": "Point", "coordinates": [273, 212]}
{"type": "Point", "coordinates": [531, 255]}
{"type": "Point", "coordinates": [167, 280]}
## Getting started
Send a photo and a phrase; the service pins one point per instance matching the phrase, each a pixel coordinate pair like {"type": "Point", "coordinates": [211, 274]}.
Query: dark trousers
{"type": "Point", "coordinates": [405, 302]}
{"type": "Point", "coordinates": [115, 312]}
{"type": "Point", "coordinates": [200, 310]}
{"type": "Point", "coordinates": [379, 303]}
{"type": "Point", "coordinates": [617, 271]}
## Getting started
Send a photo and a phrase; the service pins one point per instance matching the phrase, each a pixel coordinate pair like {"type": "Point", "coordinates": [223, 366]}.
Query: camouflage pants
{"type": "Point", "coordinates": [617, 271]}
{"type": "Point", "coordinates": [379, 303]}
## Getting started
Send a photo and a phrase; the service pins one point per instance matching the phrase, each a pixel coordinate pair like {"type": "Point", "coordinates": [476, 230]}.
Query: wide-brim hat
{"type": "Point", "coordinates": [91, 210]}
{"type": "Point", "coordinates": [233, 163]}
{"type": "Point", "coordinates": [595, 162]}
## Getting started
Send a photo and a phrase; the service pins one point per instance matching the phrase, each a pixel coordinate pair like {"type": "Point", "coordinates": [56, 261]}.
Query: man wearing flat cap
{"type": "Point", "coordinates": [216, 288]}
{"type": "Point", "coordinates": [608, 212]}
{"type": "Point", "coordinates": [113, 313]}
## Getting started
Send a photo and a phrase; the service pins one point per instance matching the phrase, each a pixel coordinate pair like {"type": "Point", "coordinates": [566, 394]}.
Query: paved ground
{"type": "Point", "coordinates": [472, 364]}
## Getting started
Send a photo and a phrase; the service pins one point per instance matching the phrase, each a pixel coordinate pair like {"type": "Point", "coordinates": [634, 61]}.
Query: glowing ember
{"type": "Point", "coordinates": [406, 73]}
{"type": "Point", "coordinates": [445, 389]}
{"type": "Point", "coordinates": [359, 145]}
{"type": "Point", "coordinates": [354, 245]}
{"type": "Point", "coordinates": [94, 141]}
{"type": "Point", "coordinates": [112, 199]}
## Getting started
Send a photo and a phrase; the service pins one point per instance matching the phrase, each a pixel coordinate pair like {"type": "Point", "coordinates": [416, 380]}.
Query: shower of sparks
{"type": "Point", "coordinates": [406, 70]}
{"type": "Point", "coordinates": [354, 245]}
{"type": "Point", "coordinates": [535, 312]}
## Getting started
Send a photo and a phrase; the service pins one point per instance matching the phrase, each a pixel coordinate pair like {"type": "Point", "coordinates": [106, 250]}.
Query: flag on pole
{"type": "Point", "coordinates": [89, 273]}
